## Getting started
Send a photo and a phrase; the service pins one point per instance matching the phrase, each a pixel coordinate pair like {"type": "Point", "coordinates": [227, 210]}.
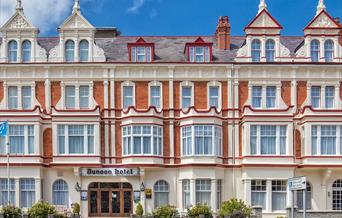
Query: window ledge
{"type": "Point", "coordinates": [208, 159]}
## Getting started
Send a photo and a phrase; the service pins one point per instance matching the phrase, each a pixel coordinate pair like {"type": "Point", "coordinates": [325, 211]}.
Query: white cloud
{"type": "Point", "coordinates": [137, 4]}
{"type": "Point", "coordinates": [47, 15]}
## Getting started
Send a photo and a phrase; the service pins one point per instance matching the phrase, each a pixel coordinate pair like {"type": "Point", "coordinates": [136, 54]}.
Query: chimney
{"type": "Point", "coordinates": [223, 33]}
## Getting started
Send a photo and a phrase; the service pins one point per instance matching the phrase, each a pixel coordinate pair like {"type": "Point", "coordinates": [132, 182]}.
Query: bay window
{"type": "Point", "coordinates": [21, 139]}
{"type": "Point", "coordinates": [278, 195]}
{"type": "Point", "coordinates": [75, 139]}
{"type": "Point", "coordinates": [203, 191]}
{"type": "Point", "coordinates": [4, 191]}
{"type": "Point", "coordinates": [326, 140]}
{"type": "Point", "coordinates": [258, 195]}
{"type": "Point", "coordinates": [27, 192]}
{"type": "Point", "coordinates": [268, 139]}
{"type": "Point", "coordinates": [202, 140]}
{"type": "Point", "coordinates": [142, 140]}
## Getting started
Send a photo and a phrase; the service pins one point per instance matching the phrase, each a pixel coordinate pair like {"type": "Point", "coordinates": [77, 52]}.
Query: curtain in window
{"type": "Point", "coordinates": [26, 97]}
{"type": "Point", "coordinates": [187, 140]}
{"type": "Point", "coordinates": [91, 147]}
{"type": "Point", "coordinates": [282, 139]}
{"type": "Point", "coordinates": [4, 191]}
{"type": "Point", "coordinates": [199, 53]}
{"type": "Point", "coordinates": [60, 193]}
{"type": "Point", "coordinates": [127, 96]}
{"type": "Point", "coordinates": [12, 51]}
{"type": "Point", "coordinates": [314, 139]}
{"type": "Point", "coordinates": [278, 195]}
{"type": "Point", "coordinates": [315, 96]}
{"type": "Point", "coordinates": [16, 139]}
{"type": "Point", "coordinates": [203, 191]}
{"type": "Point", "coordinates": [84, 50]}
{"type": "Point", "coordinates": [328, 139]}
{"type": "Point", "coordinates": [26, 51]}
{"type": "Point", "coordinates": [254, 137]}
{"type": "Point", "coordinates": [12, 97]}
{"type": "Point", "coordinates": [161, 193]}
{"type": "Point", "coordinates": [155, 96]}
{"type": "Point", "coordinates": [258, 193]}
{"type": "Point", "coordinates": [315, 50]}
{"type": "Point", "coordinates": [27, 192]}
{"type": "Point", "coordinates": [214, 96]}
{"type": "Point", "coordinates": [329, 96]}
{"type": "Point", "coordinates": [270, 96]}
{"type": "Point", "coordinates": [186, 96]}
{"type": "Point", "coordinates": [329, 50]}
{"type": "Point", "coordinates": [30, 139]}
{"type": "Point", "coordinates": [84, 96]}
{"type": "Point", "coordinates": [69, 51]}
{"type": "Point", "coordinates": [186, 193]}
{"type": "Point", "coordinates": [268, 139]}
{"type": "Point", "coordinates": [70, 97]}
{"type": "Point", "coordinates": [270, 50]}
{"type": "Point", "coordinates": [219, 193]}
{"type": "Point", "coordinates": [256, 50]}
{"type": "Point", "coordinates": [256, 96]}
{"type": "Point", "coordinates": [61, 139]}
{"type": "Point", "coordinates": [76, 139]}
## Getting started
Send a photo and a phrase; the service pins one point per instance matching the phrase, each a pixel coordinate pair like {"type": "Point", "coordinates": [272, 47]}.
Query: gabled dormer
{"type": "Point", "coordinates": [140, 51]}
{"type": "Point", "coordinates": [76, 40]}
{"type": "Point", "coordinates": [263, 39]}
{"type": "Point", "coordinates": [199, 51]}
{"type": "Point", "coordinates": [19, 39]}
{"type": "Point", "coordinates": [321, 38]}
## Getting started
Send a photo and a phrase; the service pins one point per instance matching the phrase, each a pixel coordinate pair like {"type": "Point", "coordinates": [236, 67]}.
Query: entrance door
{"type": "Point", "coordinates": [110, 199]}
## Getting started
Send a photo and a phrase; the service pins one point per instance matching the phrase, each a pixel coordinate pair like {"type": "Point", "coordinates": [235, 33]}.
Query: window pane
{"type": "Point", "coordinates": [329, 96]}
{"type": "Point", "coordinates": [186, 96]}
{"type": "Point", "coordinates": [278, 195]}
{"type": "Point", "coordinates": [69, 51]}
{"type": "Point", "coordinates": [84, 96]}
{"type": "Point", "coordinates": [328, 139]}
{"type": "Point", "coordinates": [256, 44]}
{"type": "Point", "coordinates": [30, 139]}
{"type": "Point", "coordinates": [12, 51]}
{"type": "Point", "coordinates": [84, 50]}
{"type": "Point", "coordinates": [256, 96]}
{"type": "Point", "coordinates": [91, 148]}
{"type": "Point", "coordinates": [127, 96]}
{"type": "Point", "coordinates": [155, 96]}
{"type": "Point", "coordinates": [76, 139]}
{"type": "Point", "coordinates": [315, 50]}
{"type": "Point", "coordinates": [4, 191]}
{"type": "Point", "coordinates": [17, 139]}
{"type": "Point", "coordinates": [315, 96]}
{"type": "Point", "coordinates": [214, 96]}
{"type": "Point", "coordinates": [270, 96]}
{"type": "Point", "coordinates": [70, 97]}
{"type": "Point", "coordinates": [60, 193]}
{"type": "Point", "coordinates": [161, 193]}
{"type": "Point", "coordinates": [253, 139]}
{"type": "Point", "coordinates": [203, 191]}
{"type": "Point", "coordinates": [268, 139]}
{"type": "Point", "coordinates": [26, 51]}
{"type": "Point", "coordinates": [258, 195]}
{"type": "Point", "coordinates": [26, 97]}
{"type": "Point", "coordinates": [27, 192]}
{"type": "Point", "coordinates": [270, 50]}
{"type": "Point", "coordinates": [61, 139]}
{"type": "Point", "coordinates": [329, 50]}
{"type": "Point", "coordinates": [186, 193]}
{"type": "Point", "coordinates": [12, 97]}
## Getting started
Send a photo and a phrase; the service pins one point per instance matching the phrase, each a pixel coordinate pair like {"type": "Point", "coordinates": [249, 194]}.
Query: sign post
{"type": "Point", "coordinates": [296, 184]}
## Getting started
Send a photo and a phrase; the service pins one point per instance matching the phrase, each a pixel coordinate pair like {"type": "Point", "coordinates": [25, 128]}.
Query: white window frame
{"type": "Point", "coordinates": [19, 87]}
{"type": "Point", "coordinates": [279, 103]}
{"type": "Point", "coordinates": [219, 97]}
{"type": "Point", "coordinates": [202, 184]}
{"type": "Point", "coordinates": [279, 191]}
{"type": "Point", "coordinates": [338, 142]}
{"type": "Point", "coordinates": [186, 84]}
{"type": "Point", "coordinates": [77, 85]}
{"type": "Point", "coordinates": [205, 54]}
{"type": "Point", "coordinates": [127, 83]}
{"type": "Point", "coordinates": [258, 181]}
{"type": "Point", "coordinates": [146, 54]}
{"type": "Point", "coordinates": [150, 85]}
{"type": "Point", "coordinates": [337, 101]}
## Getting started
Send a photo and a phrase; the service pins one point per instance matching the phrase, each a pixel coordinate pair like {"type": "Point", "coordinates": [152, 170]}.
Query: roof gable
{"type": "Point", "coordinates": [264, 20]}
{"type": "Point", "coordinates": [18, 21]}
{"type": "Point", "coordinates": [140, 42]}
{"type": "Point", "coordinates": [76, 21]}
{"type": "Point", "coordinates": [323, 21]}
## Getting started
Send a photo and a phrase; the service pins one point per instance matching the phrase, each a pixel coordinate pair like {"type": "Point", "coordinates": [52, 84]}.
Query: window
{"type": "Point", "coordinates": [324, 140]}
{"type": "Point", "coordinates": [219, 193]}
{"type": "Point", "coordinates": [203, 191]}
{"type": "Point", "coordinates": [128, 97]}
{"type": "Point", "coordinates": [270, 97]}
{"type": "Point", "coordinates": [27, 192]}
{"type": "Point", "coordinates": [278, 195]}
{"type": "Point", "coordinates": [214, 96]}
{"type": "Point", "coordinates": [258, 194]}
{"type": "Point", "coordinates": [84, 50]}
{"type": "Point", "coordinates": [26, 51]}
{"type": "Point", "coordinates": [256, 96]}
{"type": "Point", "coordinates": [4, 191]}
{"type": "Point", "coordinates": [307, 197]}
{"type": "Point", "coordinates": [21, 138]}
{"type": "Point", "coordinates": [26, 97]}
{"type": "Point", "coordinates": [316, 96]}
{"type": "Point", "coordinates": [69, 51]}
{"type": "Point", "coordinates": [84, 96]}
{"type": "Point", "coordinates": [199, 54]}
{"type": "Point", "coordinates": [141, 54]}
{"type": "Point", "coordinates": [12, 97]}
{"type": "Point", "coordinates": [315, 50]}
{"type": "Point", "coordinates": [256, 50]}
{"type": "Point", "coordinates": [186, 96]}
{"type": "Point", "coordinates": [270, 50]}
{"type": "Point", "coordinates": [263, 139]}
{"type": "Point", "coordinates": [142, 140]}
{"type": "Point", "coordinates": [70, 97]}
{"type": "Point", "coordinates": [329, 50]}
{"type": "Point", "coordinates": [186, 193]}
{"type": "Point", "coordinates": [161, 193]}
{"type": "Point", "coordinates": [155, 98]}
{"type": "Point", "coordinates": [329, 96]}
{"type": "Point", "coordinates": [337, 195]}
{"type": "Point", "coordinates": [75, 139]}
{"type": "Point", "coordinates": [202, 140]}
{"type": "Point", "coordinates": [60, 193]}
{"type": "Point", "coordinates": [12, 51]}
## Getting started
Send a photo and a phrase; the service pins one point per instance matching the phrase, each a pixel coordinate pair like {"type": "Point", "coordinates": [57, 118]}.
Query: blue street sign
{"type": "Point", "coordinates": [3, 129]}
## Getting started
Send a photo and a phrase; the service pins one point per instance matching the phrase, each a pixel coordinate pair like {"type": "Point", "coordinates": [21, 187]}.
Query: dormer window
{"type": "Point", "coordinates": [141, 51]}
{"type": "Point", "coordinates": [315, 51]}
{"type": "Point", "coordinates": [12, 51]}
{"type": "Point", "coordinates": [84, 50]}
{"type": "Point", "coordinates": [26, 51]}
{"type": "Point", "coordinates": [270, 50]}
{"type": "Point", "coordinates": [199, 51]}
{"type": "Point", "coordinates": [69, 51]}
{"type": "Point", "coordinates": [329, 50]}
{"type": "Point", "coordinates": [256, 50]}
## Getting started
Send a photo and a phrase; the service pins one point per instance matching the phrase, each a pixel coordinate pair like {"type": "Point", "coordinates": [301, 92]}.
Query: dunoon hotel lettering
{"type": "Point", "coordinates": [109, 122]}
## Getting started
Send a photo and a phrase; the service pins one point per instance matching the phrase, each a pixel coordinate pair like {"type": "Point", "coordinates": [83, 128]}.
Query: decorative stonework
{"type": "Point", "coordinates": [284, 52]}
{"type": "Point", "coordinates": [18, 23]}
{"type": "Point", "coordinates": [323, 21]}
{"type": "Point", "coordinates": [242, 52]}
{"type": "Point", "coordinates": [301, 52]}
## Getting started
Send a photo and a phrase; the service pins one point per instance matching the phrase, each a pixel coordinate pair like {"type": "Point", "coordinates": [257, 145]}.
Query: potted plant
{"type": "Point", "coordinates": [76, 210]}
{"type": "Point", "coordinates": [235, 209]}
{"type": "Point", "coordinates": [200, 211]}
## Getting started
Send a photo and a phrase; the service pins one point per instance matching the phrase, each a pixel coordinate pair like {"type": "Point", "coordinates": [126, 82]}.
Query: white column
{"type": "Point", "coordinates": [213, 195]}
{"type": "Point", "coordinates": [278, 95]}
{"type": "Point", "coordinates": [47, 95]}
{"type": "Point", "coordinates": [17, 192]}
{"type": "Point", "coordinates": [19, 50]}
{"type": "Point", "coordinates": [247, 191]}
{"type": "Point", "coordinates": [180, 194]}
{"type": "Point", "coordinates": [33, 50]}
{"type": "Point", "coordinates": [171, 115]}
{"type": "Point", "coordinates": [277, 140]}
{"type": "Point", "coordinates": [77, 95]}
{"type": "Point", "coordinates": [37, 148]}
{"type": "Point", "coordinates": [307, 43]}
{"type": "Point", "coordinates": [38, 187]}
{"type": "Point", "coordinates": [307, 140]}
{"type": "Point", "coordinates": [91, 46]}
{"type": "Point", "coordinates": [337, 101]}
{"type": "Point", "coordinates": [263, 96]}
{"type": "Point", "coordinates": [19, 98]}
{"type": "Point", "coordinates": [192, 192]}
{"type": "Point", "coordinates": [76, 53]}
{"type": "Point", "coordinates": [269, 195]}
{"type": "Point", "coordinates": [106, 84]}
{"type": "Point", "coordinates": [308, 94]}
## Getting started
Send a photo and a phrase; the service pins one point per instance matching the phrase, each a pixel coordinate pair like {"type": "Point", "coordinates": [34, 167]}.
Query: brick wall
{"type": "Point", "coordinates": [340, 90]}
{"type": "Point", "coordinates": [98, 93]}
{"type": "Point", "coordinates": [177, 147]}
{"type": "Point", "coordinates": [200, 93]}
{"type": "Point", "coordinates": [166, 140]}
{"type": "Point", "coordinates": [298, 143]}
{"type": "Point", "coordinates": [243, 93]}
{"type": "Point", "coordinates": [301, 93]}
{"type": "Point", "coordinates": [47, 145]}
{"type": "Point", "coordinates": [117, 100]}
{"type": "Point", "coordinates": [40, 93]}
{"type": "Point", "coordinates": [118, 142]}
{"type": "Point", "coordinates": [176, 96]}
{"type": "Point", "coordinates": [225, 142]}
{"type": "Point", "coordinates": [1, 91]}
{"type": "Point", "coordinates": [286, 92]}
{"type": "Point", "coordinates": [55, 92]}
{"type": "Point", "coordinates": [141, 95]}
{"type": "Point", "coordinates": [166, 103]}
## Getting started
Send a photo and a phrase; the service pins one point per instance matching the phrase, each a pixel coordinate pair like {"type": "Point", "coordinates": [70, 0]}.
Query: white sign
{"type": "Point", "coordinates": [297, 183]}
{"type": "Point", "coordinates": [110, 172]}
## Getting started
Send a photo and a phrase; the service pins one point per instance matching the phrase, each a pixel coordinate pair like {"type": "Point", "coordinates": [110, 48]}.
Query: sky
{"type": "Point", "coordinates": [168, 17]}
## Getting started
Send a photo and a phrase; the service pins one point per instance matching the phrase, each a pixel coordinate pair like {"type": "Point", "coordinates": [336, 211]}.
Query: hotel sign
{"type": "Point", "coordinates": [110, 172]}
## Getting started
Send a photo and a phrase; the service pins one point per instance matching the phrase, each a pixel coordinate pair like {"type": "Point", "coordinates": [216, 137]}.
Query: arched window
{"type": "Point", "coordinates": [84, 50]}
{"type": "Point", "coordinates": [270, 51]}
{"type": "Point", "coordinates": [329, 50]}
{"type": "Point", "coordinates": [337, 195]}
{"type": "Point", "coordinates": [69, 51]}
{"type": "Point", "coordinates": [12, 51]}
{"type": "Point", "coordinates": [307, 197]}
{"type": "Point", "coordinates": [161, 193]}
{"type": "Point", "coordinates": [315, 51]}
{"type": "Point", "coordinates": [256, 50]}
{"type": "Point", "coordinates": [60, 193]}
{"type": "Point", "coordinates": [26, 51]}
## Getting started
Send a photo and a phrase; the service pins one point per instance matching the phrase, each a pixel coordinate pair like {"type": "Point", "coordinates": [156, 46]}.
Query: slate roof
{"type": "Point", "coordinates": [169, 48]}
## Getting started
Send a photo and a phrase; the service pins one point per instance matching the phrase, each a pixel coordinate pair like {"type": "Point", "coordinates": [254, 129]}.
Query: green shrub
{"type": "Point", "coordinates": [11, 212]}
{"type": "Point", "coordinates": [76, 208]}
{"type": "Point", "coordinates": [199, 209]}
{"type": "Point", "coordinates": [41, 210]}
{"type": "Point", "coordinates": [167, 211]}
{"type": "Point", "coordinates": [139, 210]}
{"type": "Point", "coordinates": [235, 208]}
{"type": "Point", "coordinates": [59, 215]}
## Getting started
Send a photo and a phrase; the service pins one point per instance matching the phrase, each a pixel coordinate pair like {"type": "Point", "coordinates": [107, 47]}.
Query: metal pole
{"type": "Point", "coordinates": [8, 171]}
{"type": "Point", "coordinates": [304, 203]}
{"type": "Point", "coordinates": [292, 207]}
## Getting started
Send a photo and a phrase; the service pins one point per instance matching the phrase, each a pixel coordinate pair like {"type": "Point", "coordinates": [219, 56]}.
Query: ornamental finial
{"type": "Point", "coordinates": [77, 6]}
{"type": "Point", "coordinates": [19, 6]}
{"type": "Point", "coordinates": [262, 6]}
{"type": "Point", "coordinates": [320, 7]}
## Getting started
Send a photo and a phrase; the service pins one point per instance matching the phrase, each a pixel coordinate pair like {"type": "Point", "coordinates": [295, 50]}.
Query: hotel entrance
{"type": "Point", "coordinates": [110, 199]}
